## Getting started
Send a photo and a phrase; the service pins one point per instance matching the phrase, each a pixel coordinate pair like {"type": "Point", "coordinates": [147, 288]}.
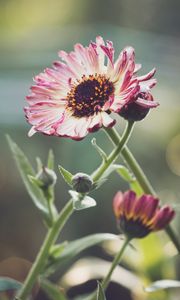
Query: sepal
{"type": "Point", "coordinates": [67, 176]}
{"type": "Point", "coordinates": [81, 201]}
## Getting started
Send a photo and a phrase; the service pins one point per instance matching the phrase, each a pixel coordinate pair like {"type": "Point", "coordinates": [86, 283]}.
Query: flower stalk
{"type": "Point", "coordinates": [115, 153]}
{"type": "Point", "coordinates": [115, 262]}
{"type": "Point", "coordinates": [117, 259]}
{"type": "Point", "coordinates": [140, 176]}
{"type": "Point", "coordinates": [44, 251]}
{"type": "Point", "coordinates": [59, 223]}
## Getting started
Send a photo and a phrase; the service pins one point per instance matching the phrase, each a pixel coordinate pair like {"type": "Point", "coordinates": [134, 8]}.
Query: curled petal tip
{"type": "Point", "coordinates": [32, 131]}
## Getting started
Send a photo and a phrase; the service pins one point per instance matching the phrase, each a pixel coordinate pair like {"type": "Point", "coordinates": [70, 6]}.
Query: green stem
{"type": "Point", "coordinates": [62, 218]}
{"type": "Point", "coordinates": [131, 162]}
{"type": "Point", "coordinates": [115, 262]}
{"type": "Point", "coordinates": [140, 176]}
{"type": "Point", "coordinates": [44, 251]}
{"type": "Point", "coordinates": [115, 153]}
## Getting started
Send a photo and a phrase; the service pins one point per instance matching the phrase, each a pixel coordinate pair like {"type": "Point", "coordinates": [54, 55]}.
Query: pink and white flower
{"type": "Point", "coordinates": [77, 95]}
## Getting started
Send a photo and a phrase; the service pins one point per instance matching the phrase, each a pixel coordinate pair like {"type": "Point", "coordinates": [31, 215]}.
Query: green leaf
{"type": "Point", "coordinates": [39, 164]}
{"type": "Point", "coordinates": [99, 150]}
{"type": "Point", "coordinates": [25, 170]}
{"type": "Point", "coordinates": [162, 284]}
{"type": "Point", "coordinates": [135, 186]}
{"type": "Point", "coordinates": [56, 250]}
{"type": "Point", "coordinates": [50, 161]}
{"type": "Point", "coordinates": [52, 290]}
{"type": "Point", "coordinates": [75, 247]}
{"type": "Point", "coordinates": [128, 177]}
{"type": "Point", "coordinates": [124, 173]}
{"type": "Point", "coordinates": [100, 292]}
{"type": "Point", "coordinates": [9, 284]}
{"type": "Point", "coordinates": [35, 181]}
{"type": "Point", "coordinates": [66, 175]}
{"type": "Point", "coordinates": [111, 169]}
{"type": "Point", "coordinates": [80, 201]}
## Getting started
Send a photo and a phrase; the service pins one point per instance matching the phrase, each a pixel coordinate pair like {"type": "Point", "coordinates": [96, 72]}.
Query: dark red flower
{"type": "Point", "coordinates": [138, 216]}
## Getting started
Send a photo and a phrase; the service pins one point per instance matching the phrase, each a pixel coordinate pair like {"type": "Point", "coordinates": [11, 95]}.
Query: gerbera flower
{"type": "Point", "coordinates": [138, 216]}
{"type": "Point", "coordinates": [76, 96]}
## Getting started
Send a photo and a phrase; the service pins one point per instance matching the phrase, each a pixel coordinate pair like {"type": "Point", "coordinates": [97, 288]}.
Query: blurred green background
{"type": "Point", "coordinates": [32, 32]}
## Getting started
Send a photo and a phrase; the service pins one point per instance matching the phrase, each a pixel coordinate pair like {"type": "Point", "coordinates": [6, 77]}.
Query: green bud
{"type": "Point", "coordinates": [82, 183]}
{"type": "Point", "coordinates": [47, 177]}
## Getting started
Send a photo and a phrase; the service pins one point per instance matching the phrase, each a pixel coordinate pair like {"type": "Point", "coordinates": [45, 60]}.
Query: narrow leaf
{"type": "Point", "coordinates": [56, 250]}
{"type": "Point", "coordinates": [110, 170]}
{"type": "Point", "coordinates": [99, 150]}
{"type": "Point", "coordinates": [75, 247]}
{"type": "Point", "coordinates": [100, 292]}
{"type": "Point", "coordinates": [66, 175]}
{"type": "Point", "coordinates": [25, 170]}
{"type": "Point", "coordinates": [39, 164]}
{"type": "Point", "coordinates": [135, 186]}
{"type": "Point", "coordinates": [52, 290]}
{"type": "Point", "coordinates": [162, 284]}
{"type": "Point", "coordinates": [124, 173]}
{"type": "Point", "coordinates": [128, 177]}
{"type": "Point", "coordinates": [9, 284]}
{"type": "Point", "coordinates": [50, 161]}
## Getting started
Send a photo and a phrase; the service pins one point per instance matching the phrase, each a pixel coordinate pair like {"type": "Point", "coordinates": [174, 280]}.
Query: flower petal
{"type": "Point", "coordinates": [147, 76]}
{"type": "Point", "coordinates": [163, 218]}
{"type": "Point", "coordinates": [125, 97]}
{"type": "Point", "coordinates": [73, 63]}
{"type": "Point", "coordinates": [44, 117]}
{"type": "Point", "coordinates": [123, 63]}
{"type": "Point", "coordinates": [146, 103]}
{"type": "Point", "coordinates": [117, 204]}
{"type": "Point", "coordinates": [100, 52]}
{"type": "Point", "coordinates": [129, 202]}
{"type": "Point", "coordinates": [75, 128]}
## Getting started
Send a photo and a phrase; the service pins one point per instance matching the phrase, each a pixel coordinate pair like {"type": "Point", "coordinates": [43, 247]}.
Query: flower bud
{"type": "Point", "coordinates": [47, 177]}
{"type": "Point", "coordinates": [139, 216]}
{"type": "Point", "coordinates": [133, 111]}
{"type": "Point", "coordinates": [82, 183]}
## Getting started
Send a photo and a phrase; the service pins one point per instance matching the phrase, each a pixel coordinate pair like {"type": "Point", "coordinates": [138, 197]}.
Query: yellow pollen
{"type": "Point", "coordinates": [89, 95]}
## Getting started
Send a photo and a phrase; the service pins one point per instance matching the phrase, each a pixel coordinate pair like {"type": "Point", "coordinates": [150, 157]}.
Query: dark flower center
{"type": "Point", "coordinates": [89, 96]}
